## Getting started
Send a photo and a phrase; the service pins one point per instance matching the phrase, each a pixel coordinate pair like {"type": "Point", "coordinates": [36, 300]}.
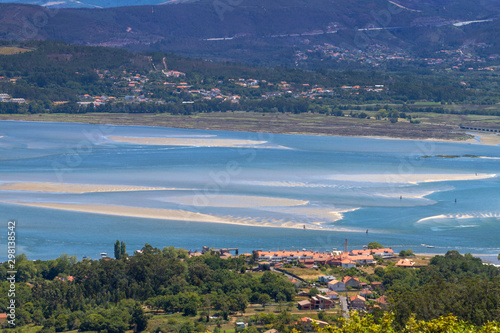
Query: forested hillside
{"type": "Point", "coordinates": [51, 74]}
{"type": "Point", "coordinates": [270, 32]}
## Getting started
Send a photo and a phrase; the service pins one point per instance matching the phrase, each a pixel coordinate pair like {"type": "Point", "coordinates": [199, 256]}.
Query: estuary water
{"type": "Point", "coordinates": [77, 188]}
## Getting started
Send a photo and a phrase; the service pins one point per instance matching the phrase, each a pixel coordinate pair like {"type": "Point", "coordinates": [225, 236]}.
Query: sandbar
{"type": "Point", "coordinates": [489, 158]}
{"type": "Point", "coordinates": [76, 188]}
{"type": "Point", "coordinates": [331, 214]}
{"type": "Point", "coordinates": [413, 178]}
{"type": "Point", "coordinates": [461, 216]}
{"type": "Point", "coordinates": [195, 142]}
{"type": "Point", "coordinates": [485, 139]}
{"type": "Point", "coordinates": [409, 195]}
{"type": "Point", "coordinates": [240, 201]}
{"type": "Point", "coordinates": [287, 184]}
{"type": "Point", "coordinates": [176, 215]}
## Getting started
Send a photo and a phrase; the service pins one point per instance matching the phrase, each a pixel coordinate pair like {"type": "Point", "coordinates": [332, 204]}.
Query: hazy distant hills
{"type": "Point", "coordinates": [264, 31]}
{"type": "Point", "coordinates": [86, 3]}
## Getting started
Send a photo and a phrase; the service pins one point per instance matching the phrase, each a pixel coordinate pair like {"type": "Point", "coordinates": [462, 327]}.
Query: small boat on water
{"type": "Point", "coordinates": [423, 245]}
{"type": "Point", "coordinates": [430, 246]}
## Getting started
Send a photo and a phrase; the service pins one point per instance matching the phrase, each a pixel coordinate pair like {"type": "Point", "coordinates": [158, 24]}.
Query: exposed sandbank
{"type": "Point", "coordinates": [240, 201]}
{"type": "Point", "coordinates": [196, 142]}
{"type": "Point", "coordinates": [484, 139]}
{"type": "Point", "coordinates": [178, 215]}
{"type": "Point", "coordinates": [414, 178]}
{"type": "Point", "coordinates": [461, 216]}
{"type": "Point", "coordinates": [287, 184]}
{"type": "Point", "coordinates": [407, 195]}
{"type": "Point", "coordinates": [489, 158]}
{"type": "Point", "coordinates": [76, 188]}
{"type": "Point", "coordinates": [330, 214]}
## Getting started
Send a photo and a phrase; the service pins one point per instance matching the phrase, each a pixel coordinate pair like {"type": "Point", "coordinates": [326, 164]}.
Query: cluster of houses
{"type": "Point", "coordinates": [6, 98]}
{"type": "Point", "coordinates": [376, 54]}
{"type": "Point", "coordinates": [367, 292]}
{"type": "Point", "coordinates": [311, 259]}
{"type": "Point", "coordinates": [331, 294]}
{"type": "Point", "coordinates": [133, 88]}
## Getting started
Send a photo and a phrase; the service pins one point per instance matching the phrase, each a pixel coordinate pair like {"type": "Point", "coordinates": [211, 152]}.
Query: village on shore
{"type": "Point", "coordinates": [347, 291]}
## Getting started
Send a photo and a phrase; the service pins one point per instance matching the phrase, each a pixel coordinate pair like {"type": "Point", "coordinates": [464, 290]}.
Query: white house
{"type": "Point", "coordinates": [346, 263]}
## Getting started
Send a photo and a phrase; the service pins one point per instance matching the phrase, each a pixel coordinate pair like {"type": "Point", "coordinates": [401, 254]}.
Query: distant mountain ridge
{"type": "Point", "coordinates": [87, 3]}
{"type": "Point", "coordinates": [267, 31]}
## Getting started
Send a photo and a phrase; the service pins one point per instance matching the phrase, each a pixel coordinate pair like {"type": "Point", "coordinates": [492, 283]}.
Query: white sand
{"type": "Point", "coordinates": [196, 142]}
{"type": "Point", "coordinates": [414, 178]}
{"type": "Point", "coordinates": [406, 195]}
{"type": "Point", "coordinates": [241, 201]}
{"type": "Point", "coordinates": [176, 215]}
{"type": "Point", "coordinates": [152, 213]}
{"type": "Point", "coordinates": [489, 158]}
{"type": "Point", "coordinates": [309, 213]}
{"type": "Point", "coordinates": [287, 184]}
{"type": "Point", "coordinates": [76, 188]}
{"type": "Point", "coordinates": [485, 139]}
{"type": "Point", "coordinates": [461, 216]}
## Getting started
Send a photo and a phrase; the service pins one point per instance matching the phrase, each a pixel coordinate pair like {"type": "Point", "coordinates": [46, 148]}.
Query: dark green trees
{"type": "Point", "coordinates": [139, 319]}
{"type": "Point", "coordinates": [120, 249]}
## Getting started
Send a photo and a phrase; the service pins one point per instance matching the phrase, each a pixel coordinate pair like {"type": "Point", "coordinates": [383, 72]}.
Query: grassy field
{"type": "Point", "coordinates": [10, 50]}
{"type": "Point", "coordinates": [163, 320]}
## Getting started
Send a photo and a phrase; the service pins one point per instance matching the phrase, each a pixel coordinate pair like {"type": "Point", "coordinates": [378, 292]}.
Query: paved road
{"type": "Point", "coordinates": [343, 306]}
{"type": "Point", "coordinates": [290, 276]}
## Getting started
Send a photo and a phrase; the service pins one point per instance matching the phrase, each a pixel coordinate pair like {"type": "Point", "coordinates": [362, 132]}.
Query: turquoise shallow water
{"type": "Point", "coordinates": [327, 173]}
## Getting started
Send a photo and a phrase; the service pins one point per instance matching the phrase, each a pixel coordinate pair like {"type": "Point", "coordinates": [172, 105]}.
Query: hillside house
{"type": "Point", "coordinates": [382, 301]}
{"type": "Point", "coordinates": [406, 263]}
{"type": "Point", "coordinates": [336, 285]}
{"type": "Point", "coordinates": [304, 305]}
{"type": "Point", "coordinates": [347, 263]}
{"type": "Point", "coordinates": [382, 253]}
{"type": "Point", "coordinates": [307, 325]}
{"type": "Point", "coordinates": [366, 293]}
{"type": "Point", "coordinates": [333, 295]}
{"type": "Point", "coordinates": [316, 302]}
{"type": "Point", "coordinates": [363, 259]}
{"type": "Point", "coordinates": [358, 303]}
{"type": "Point", "coordinates": [326, 278]}
{"type": "Point", "coordinates": [351, 282]}
{"type": "Point", "coordinates": [322, 302]}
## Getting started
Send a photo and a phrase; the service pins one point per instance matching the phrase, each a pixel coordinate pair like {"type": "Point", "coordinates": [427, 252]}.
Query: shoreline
{"type": "Point", "coordinates": [489, 139]}
{"type": "Point", "coordinates": [293, 127]}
